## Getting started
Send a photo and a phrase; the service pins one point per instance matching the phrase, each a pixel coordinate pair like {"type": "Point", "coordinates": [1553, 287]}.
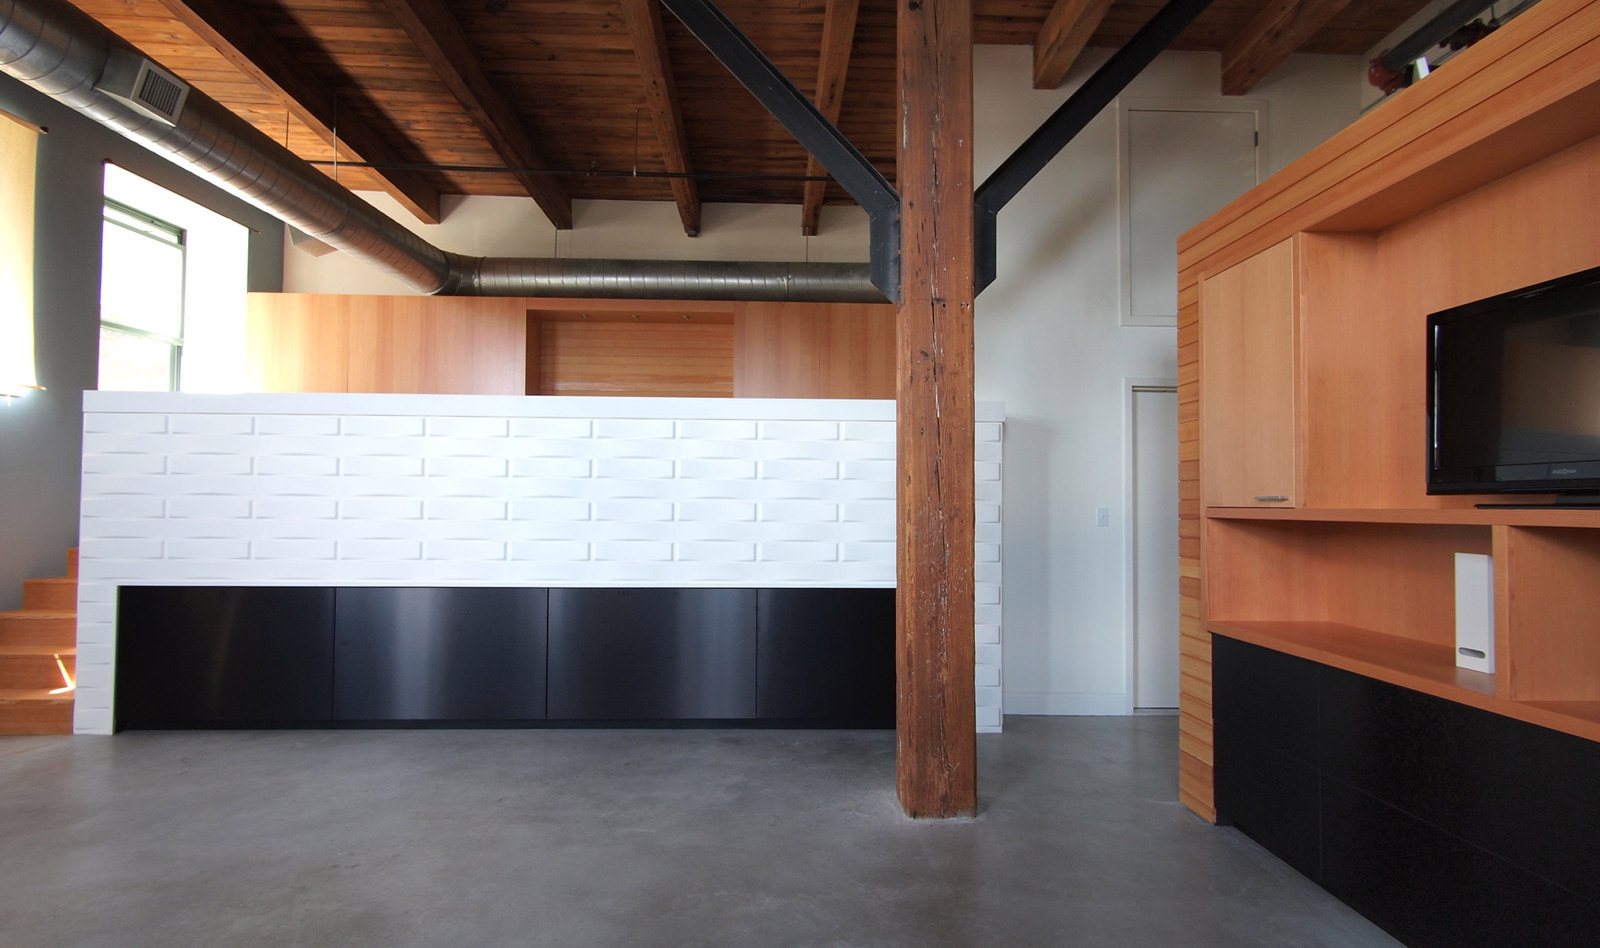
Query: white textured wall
{"type": "Point", "coordinates": [401, 490]}
{"type": "Point", "coordinates": [1049, 343]}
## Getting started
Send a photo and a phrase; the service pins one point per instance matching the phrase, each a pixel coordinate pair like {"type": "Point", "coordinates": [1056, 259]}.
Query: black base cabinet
{"type": "Point", "coordinates": [449, 654]}
{"type": "Point", "coordinates": [640, 655]}
{"type": "Point", "coordinates": [223, 656]}
{"type": "Point", "coordinates": [1444, 824]}
{"type": "Point", "coordinates": [211, 657]}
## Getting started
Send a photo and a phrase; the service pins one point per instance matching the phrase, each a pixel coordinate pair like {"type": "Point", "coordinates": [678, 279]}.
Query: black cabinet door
{"type": "Point", "coordinates": [223, 656]}
{"type": "Point", "coordinates": [652, 654]}
{"type": "Point", "coordinates": [826, 656]}
{"type": "Point", "coordinates": [439, 654]}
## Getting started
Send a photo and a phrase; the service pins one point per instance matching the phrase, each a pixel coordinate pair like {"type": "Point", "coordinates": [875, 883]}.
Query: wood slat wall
{"type": "Point", "coordinates": [1526, 93]}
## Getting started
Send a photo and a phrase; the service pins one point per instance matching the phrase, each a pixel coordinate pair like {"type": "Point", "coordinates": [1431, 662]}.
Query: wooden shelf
{"type": "Point", "coordinates": [1410, 663]}
{"type": "Point", "coordinates": [1469, 516]}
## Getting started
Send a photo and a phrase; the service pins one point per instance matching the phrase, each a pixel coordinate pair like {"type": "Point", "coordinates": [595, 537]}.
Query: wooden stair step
{"type": "Point", "coordinates": [34, 711]}
{"type": "Point", "coordinates": [29, 667]}
{"type": "Point", "coordinates": [58, 593]}
{"type": "Point", "coordinates": [41, 627]}
{"type": "Point", "coordinates": [72, 563]}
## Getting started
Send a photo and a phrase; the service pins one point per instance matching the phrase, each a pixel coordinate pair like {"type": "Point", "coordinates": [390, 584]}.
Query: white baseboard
{"type": "Point", "coordinates": [1066, 704]}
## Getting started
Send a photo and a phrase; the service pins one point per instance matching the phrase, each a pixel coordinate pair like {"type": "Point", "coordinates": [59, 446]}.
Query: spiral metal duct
{"type": "Point", "coordinates": [62, 52]}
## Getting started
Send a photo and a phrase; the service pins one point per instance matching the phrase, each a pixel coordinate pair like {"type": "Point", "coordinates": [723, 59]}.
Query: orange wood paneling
{"type": "Point", "coordinates": [297, 343]}
{"type": "Point", "coordinates": [643, 353]}
{"type": "Point", "coordinates": [1248, 376]}
{"type": "Point", "coordinates": [413, 344]}
{"type": "Point", "coordinates": [814, 350]}
{"type": "Point", "coordinates": [1552, 618]}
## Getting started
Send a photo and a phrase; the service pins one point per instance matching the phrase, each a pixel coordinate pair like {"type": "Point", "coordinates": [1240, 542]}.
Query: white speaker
{"type": "Point", "coordinates": [1475, 611]}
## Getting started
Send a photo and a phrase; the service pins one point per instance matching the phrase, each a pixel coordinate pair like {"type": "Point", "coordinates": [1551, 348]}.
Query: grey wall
{"type": "Point", "coordinates": [41, 434]}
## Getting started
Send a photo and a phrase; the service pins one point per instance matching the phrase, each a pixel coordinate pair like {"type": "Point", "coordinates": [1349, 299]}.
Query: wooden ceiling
{"type": "Point", "coordinates": [596, 90]}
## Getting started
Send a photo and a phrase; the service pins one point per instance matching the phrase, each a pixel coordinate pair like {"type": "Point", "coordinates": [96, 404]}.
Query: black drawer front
{"type": "Point", "coordinates": [223, 656]}
{"type": "Point", "coordinates": [1431, 889]}
{"type": "Point", "coordinates": [1524, 792]}
{"type": "Point", "coordinates": [652, 654]}
{"type": "Point", "coordinates": [826, 656]}
{"type": "Point", "coordinates": [1445, 824]}
{"type": "Point", "coordinates": [439, 654]}
{"type": "Point", "coordinates": [1271, 698]}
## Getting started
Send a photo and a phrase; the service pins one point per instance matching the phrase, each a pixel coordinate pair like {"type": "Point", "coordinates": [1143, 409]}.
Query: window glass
{"type": "Point", "coordinates": [130, 362]}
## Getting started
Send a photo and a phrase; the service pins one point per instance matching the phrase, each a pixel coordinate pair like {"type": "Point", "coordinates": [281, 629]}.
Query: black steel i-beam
{"type": "Point", "coordinates": [1060, 128]}
{"type": "Point", "coordinates": [810, 127]}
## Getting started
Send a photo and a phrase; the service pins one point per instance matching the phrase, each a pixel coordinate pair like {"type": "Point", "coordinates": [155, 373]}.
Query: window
{"type": "Point", "coordinates": [19, 144]}
{"type": "Point", "coordinates": [141, 301]}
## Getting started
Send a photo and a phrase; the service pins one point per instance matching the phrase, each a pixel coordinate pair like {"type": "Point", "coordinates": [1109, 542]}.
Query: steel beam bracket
{"type": "Point", "coordinates": [810, 128]}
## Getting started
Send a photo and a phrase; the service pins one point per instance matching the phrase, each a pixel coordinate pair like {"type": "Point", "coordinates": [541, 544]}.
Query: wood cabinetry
{"type": "Point", "coordinates": [516, 346]}
{"type": "Point", "coordinates": [1248, 372]}
{"type": "Point", "coordinates": [1480, 180]}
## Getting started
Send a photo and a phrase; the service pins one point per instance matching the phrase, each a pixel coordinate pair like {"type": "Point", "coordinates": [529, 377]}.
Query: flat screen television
{"type": "Point", "coordinates": [1514, 393]}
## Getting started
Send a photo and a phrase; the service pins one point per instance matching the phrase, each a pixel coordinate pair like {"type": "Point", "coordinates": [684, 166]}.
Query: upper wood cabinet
{"type": "Point", "coordinates": [1248, 359]}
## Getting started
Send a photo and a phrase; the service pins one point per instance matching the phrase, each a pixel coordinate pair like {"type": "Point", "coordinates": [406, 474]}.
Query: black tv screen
{"type": "Point", "coordinates": [1514, 391]}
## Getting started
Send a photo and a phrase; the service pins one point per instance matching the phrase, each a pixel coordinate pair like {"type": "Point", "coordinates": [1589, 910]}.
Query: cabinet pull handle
{"type": "Point", "coordinates": [1272, 499]}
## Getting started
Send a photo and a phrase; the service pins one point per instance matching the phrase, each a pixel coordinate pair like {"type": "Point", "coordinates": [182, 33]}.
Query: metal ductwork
{"type": "Point", "coordinates": [62, 52]}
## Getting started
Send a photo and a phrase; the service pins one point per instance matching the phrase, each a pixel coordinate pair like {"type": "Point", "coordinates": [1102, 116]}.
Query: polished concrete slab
{"type": "Point", "coordinates": [591, 837]}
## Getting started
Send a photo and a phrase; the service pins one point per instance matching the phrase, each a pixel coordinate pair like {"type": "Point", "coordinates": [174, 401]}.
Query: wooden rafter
{"type": "Point", "coordinates": [1279, 29]}
{"type": "Point", "coordinates": [233, 32]}
{"type": "Point", "coordinates": [438, 36]}
{"type": "Point", "coordinates": [838, 36]}
{"type": "Point", "coordinates": [936, 761]}
{"type": "Point", "coordinates": [1062, 36]}
{"type": "Point", "coordinates": [661, 95]}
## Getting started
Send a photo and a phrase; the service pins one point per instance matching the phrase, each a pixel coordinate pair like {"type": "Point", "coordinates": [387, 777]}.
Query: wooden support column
{"type": "Point", "coordinates": [937, 747]}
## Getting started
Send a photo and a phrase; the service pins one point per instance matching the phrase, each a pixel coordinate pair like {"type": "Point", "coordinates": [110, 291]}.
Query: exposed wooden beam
{"type": "Point", "coordinates": [1062, 36]}
{"type": "Point", "coordinates": [438, 36]}
{"type": "Point", "coordinates": [838, 36]}
{"type": "Point", "coordinates": [661, 95]}
{"type": "Point", "coordinates": [936, 761]}
{"type": "Point", "coordinates": [1281, 27]}
{"type": "Point", "coordinates": [233, 32]}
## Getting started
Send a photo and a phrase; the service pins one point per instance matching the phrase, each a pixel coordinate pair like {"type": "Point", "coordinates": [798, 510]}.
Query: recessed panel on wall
{"type": "Point", "coordinates": [439, 654]}
{"type": "Point", "coordinates": [826, 655]}
{"type": "Point", "coordinates": [652, 654]}
{"type": "Point", "coordinates": [223, 656]}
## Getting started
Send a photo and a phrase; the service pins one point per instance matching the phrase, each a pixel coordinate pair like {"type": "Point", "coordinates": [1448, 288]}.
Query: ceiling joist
{"type": "Point", "coordinates": [438, 36]}
{"type": "Point", "coordinates": [1062, 36]}
{"type": "Point", "coordinates": [233, 33]}
{"type": "Point", "coordinates": [661, 95]}
{"type": "Point", "coordinates": [1281, 27]}
{"type": "Point", "coordinates": [838, 36]}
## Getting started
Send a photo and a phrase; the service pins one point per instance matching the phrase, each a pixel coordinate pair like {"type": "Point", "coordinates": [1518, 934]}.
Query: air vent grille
{"type": "Point", "coordinates": [160, 93]}
{"type": "Point", "coordinates": [142, 85]}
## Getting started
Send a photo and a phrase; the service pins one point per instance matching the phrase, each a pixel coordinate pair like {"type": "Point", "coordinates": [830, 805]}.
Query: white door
{"type": "Point", "coordinates": [1155, 547]}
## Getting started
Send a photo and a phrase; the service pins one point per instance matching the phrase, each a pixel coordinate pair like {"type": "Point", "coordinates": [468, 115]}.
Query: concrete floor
{"type": "Point", "coordinates": [765, 838]}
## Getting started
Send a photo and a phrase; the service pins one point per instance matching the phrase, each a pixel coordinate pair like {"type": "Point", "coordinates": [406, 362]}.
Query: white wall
{"type": "Point", "coordinates": [625, 230]}
{"type": "Point", "coordinates": [1049, 345]}
{"type": "Point", "coordinates": [1048, 340]}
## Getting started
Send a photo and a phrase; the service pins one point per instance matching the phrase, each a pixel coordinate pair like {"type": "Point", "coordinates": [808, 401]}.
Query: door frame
{"type": "Point", "coordinates": [1131, 387]}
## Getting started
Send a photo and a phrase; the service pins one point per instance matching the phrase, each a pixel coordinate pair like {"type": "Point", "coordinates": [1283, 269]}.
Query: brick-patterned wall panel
{"type": "Point", "coordinates": [448, 491]}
